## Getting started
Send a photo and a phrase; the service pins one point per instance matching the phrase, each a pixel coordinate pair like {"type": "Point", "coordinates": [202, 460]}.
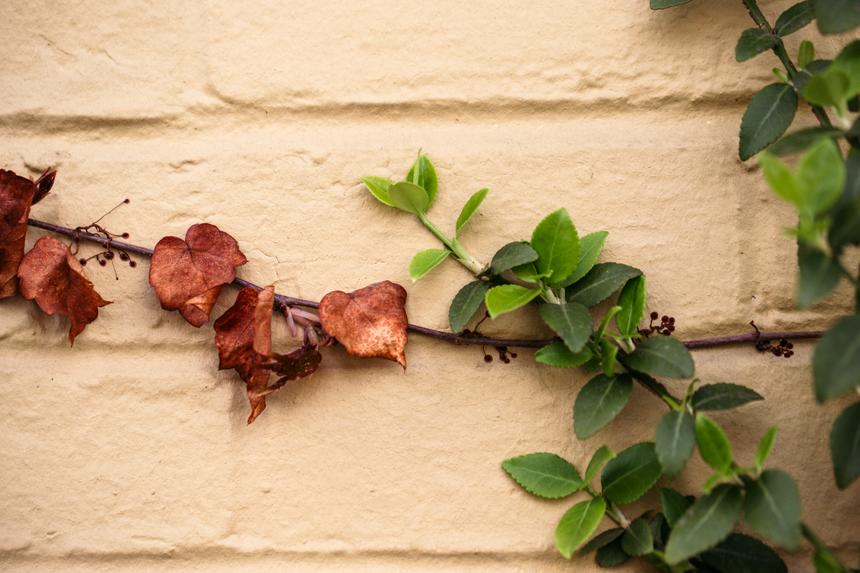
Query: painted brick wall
{"type": "Point", "coordinates": [129, 451]}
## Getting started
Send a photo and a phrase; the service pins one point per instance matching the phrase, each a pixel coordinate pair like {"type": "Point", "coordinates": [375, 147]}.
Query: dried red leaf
{"type": "Point", "coordinates": [243, 336]}
{"type": "Point", "coordinates": [16, 196]}
{"type": "Point", "coordinates": [53, 277]}
{"type": "Point", "coordinates": [188, 275]}
{"type": "Point", "coordinates": [299, 363]}
{"type": "Point", "coordinates": [369, 322]}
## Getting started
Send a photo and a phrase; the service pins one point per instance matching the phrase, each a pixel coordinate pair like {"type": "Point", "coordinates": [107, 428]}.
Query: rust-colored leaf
{"type": "Point", "coordinates": [243, 336]}
{"type": "Point", "coordinates": [188, 275]}
{"type": "Point", "coordinates": [16, 196]}
{"type": "Point", "coordinates": [368, 322]}
{"type": "Point", "coordinates": [299, 363]}
{"type": "Point", "coordinates": [53, 277]}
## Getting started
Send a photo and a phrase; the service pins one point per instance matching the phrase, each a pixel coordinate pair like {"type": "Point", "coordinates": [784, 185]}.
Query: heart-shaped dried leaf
{"type": "Point", "coordinates": [299, 363]}
{"type": "Point", "coordinates": [53, 277]}
{"type": "Point", "coordinates": [243, 336]}
{"type": "Point", "coordinates": [369, 322]}
{"type": "Point", "coordinates": [16, 195]}
{"type": "Point", "coordinates": [188, 275]}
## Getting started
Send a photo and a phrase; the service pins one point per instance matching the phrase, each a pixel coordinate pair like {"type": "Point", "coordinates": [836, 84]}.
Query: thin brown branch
{"type": "Point", "coordinates": [283, 301]}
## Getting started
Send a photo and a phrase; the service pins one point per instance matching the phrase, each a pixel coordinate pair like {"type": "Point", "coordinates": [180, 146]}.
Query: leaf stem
{"type": "Point", "coordinates": [819, 545]}
{"type": "Point", "coordinates": [463, 256]}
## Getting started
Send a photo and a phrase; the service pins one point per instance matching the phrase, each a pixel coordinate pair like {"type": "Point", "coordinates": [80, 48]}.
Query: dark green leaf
{"type": "Point", "coordinates": [378, 187]}
{"type": "Point", "coordinates": [765, 445]}
{"type": "Point", "coordinates": [426, 261]}
{"type": "Point", "coordinates": [590, 247]}
{"type": "Point", "coordinates": [598, 459]}
{"type": "Point", "coordinates": [512, 255]}
{"type": "Point", "coordinates": [753, 42]}
{"type": "Point", "coordinates": [578, 524]}
{"type": "Point", "coordinates": [802, 139]}
{"type": "Point", "coordinates": [601, 539]}
{"type": "Point", "coordinates": [836, 16]}
{"type": "Point", "coordinates": [714, 446]}
{"type": "Point", "coordinates": [599, 402]}
{"type": "Point", "coordinates": [845, 446]}
{"type": "Point", "coordinates": [423, 174]}
{"type": "Point", "coordinates": [767, 117]}
{"type": "Point", "coordinates": [836, 360]}
{"type": "Point", "coordinates": [674, 504]}
{"type": "Point", "coordinates": [544, 475]}
{"type": "Point", "coordinates": [611, 554]}
{"type": "Point", "coordinates": [707, 522]}
{"type": "Point", "coordinates": [466, 303]}
{"type": "Point", "coordinates": [409, 197]}
{"type": "Point", "coordinates": [794, 19]}
{"type": "Point", "coordinates": [571, 321]}
{"type": "Point", "coordinates": [559, 355]}
{"type": "Point", "coordinates": [661, 4]}
{"type": "Point", "coordinates": [631, 473]}
{"type": "Point", "coordinates": [818, 275]}
{"type": "Point", "coordinates": [469, 208]}
{"type": "Point", "coordinates": [741, 553]}
{"type": "Point", "coordinates": [557, 245]}
{"type": "Point", "coordinates": [637, 540]}
{"type": "Point", "coordinates": [772, 508]}
{"type": "Point", "coordinates": [676, 438]}
{"type": "Point", "coordinates": [507, 298]}
{"type": "Point", "coordinates": [600, 282]}
{"type": "Point", "coordinates": [723, 396]}
{"type": "Point", "coordinates": [632, 303]}
{"type": "Point", "coordinates": [661, 356]}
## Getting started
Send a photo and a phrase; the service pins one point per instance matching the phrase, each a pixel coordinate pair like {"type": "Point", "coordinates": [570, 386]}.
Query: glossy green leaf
{"type": "Point", "coordinates": [578, 524]}
{"type": "Point", "coordinates": [794, 19]}
{"type": "Point", "coordinates": [753, 42]}
{"type": "Point", "coordinates": [512, 255]}
{"type": "Point", "coordinates": [423, 174]}
{"type": "Point", "coordinates": [818, 275]}
{"type": "Point", "coordinates": [674, 505]}
{"type": "Point", "coordinates": [765, 445]}
{"type": "Point", "coordinates": [506, 298]}
{"type": "Point", "coordinates": [836, 360]}
{"type": "Point", "coordinates": [772, 508]}
{"type": "Point", "coordinates": [802, 139]}
{"type": "Point", "coordinates": [557, 244]}
{"type": "Point", "coordinates": [378, 187]}
{"type": "Point", "coordinates": [599, 401]}
{"type": "Point", "coordinates": [662, 4]}
{"type": "Point", "coordinates": [600, 283]}
{"type": "Point", "coordinates": [632, 303]}
{"type": "Point", "coordinates": [466, 303]}
{"type": "Point", "coordinates": [845, 446]}
{"type": "Point", "coordinates": [631, 473]}
{"type": "Point", "coordinates": [836, 16]}
{"type": "Point", "coordinates": [661, 356]}
{"type": "Point", "coordinates": [714, 446]}
{"type": "Point", "coordinates": [469, 208]}
{"type": "Point", "coordinates": [426, 261]}
{"type": "Point", "coordinates": [601, 539]}
{"type": "Point", "coordinates": [767, 117]}
{"type": "Point", "coordinates": [559, 355]}
{"type": "Point", "coordinates": [741, 553]}
{"type": "Point", "coordinates": [705, 524]}
{"type": "Point", "coordinates": [637, 539]}
{"type": "Point", "coordinates": [590, 247]}
{"type": "Point", "coordinates": [723, 396]}
{"type": "Point", "coordinates": [529, 273]}
{"type": "Point", "coordinates": [409, 197]}
{"type": "Point", "coordinates": [571, 321]}
{"type": "Point", "coordinates": [544, 475]}
{"type": "Point", "coordinates": [675, 440]}
{"type": "Point", "coordinates": [598, 460]}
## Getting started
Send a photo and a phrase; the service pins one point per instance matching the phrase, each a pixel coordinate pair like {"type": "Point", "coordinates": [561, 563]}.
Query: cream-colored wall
{"type": "Point", "coordinates": [129, 451]}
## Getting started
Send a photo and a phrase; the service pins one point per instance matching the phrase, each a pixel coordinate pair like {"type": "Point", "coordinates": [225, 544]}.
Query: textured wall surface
{"type": "Point", "coordinates": [129, 451]}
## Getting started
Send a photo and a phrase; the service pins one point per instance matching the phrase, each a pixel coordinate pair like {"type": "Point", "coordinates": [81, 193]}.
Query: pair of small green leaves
{"type": "Point", "coordinates": [756, 41]}
{"type": "Point", "coordinates": [415, 194]}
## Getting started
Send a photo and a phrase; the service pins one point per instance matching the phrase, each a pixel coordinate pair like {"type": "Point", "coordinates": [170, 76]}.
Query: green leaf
{"type": "Point", "coordinates": [426, 261]}
{"type": "Point", "coordinates": [469, 208]}
{"type": "Point", "coordinates": [714, 446]}
{"type": "Point", "coordinates": [829, 88]}
{"type": "Point", "coordinates": [378, 187]}
{"type": "Point", "coordinates": [601, 539]}
{"type": "Point", "coordinates": [824, 562]}
{"type": "Point", "coordinates": [559, 355]}
{"type": "Point", "coordinates": [781, 180]}
{"type": "Point", "coordinates": [599, 401]}
{"type": "Point", "coordinates": [528, 272]}
{"type": "Point", "coordinates": [708, 521]}
{"type": "Point", "coordinates": [766, 118]}
{"type": "Point", "coordinates": [661, 356]}
{"type": "Point", "coordinates": [590, 247]}
{"type": "Point", "coordinates": [637, 540]}
{"type": "Point", "coordinates": [848, 62]}
{"type": "Point", "coordinates": [753, 42]}
{"type": "Point", "coordinates": [675, 440]}
{"type": "Point", "coordinates": [741, 553]}
{"type": "Point", "coordinates": [772, 508]}
{"type": "Point", "coordinates": [765, 445]}
{"type": "Point", "coordinates": [674, 504]}
{"type": "Point", "coordinates": [578, 524]}
{"type": "Point", "coordinates": [631, 473]}
{"type": "Point", "coordinates": [794, 19]}
{"type": "Point", "coordinates": [845, 446]}
{"type": "Point", "coordinates": [723, 396]}
{"type": "Point", "coordinates": [571, 321]}
{"type": "Point", "coordinates": [506, 298]}
{"type": "Point", "coordinates": [821, 176]}
{"type": "Point", "coordinates": [466, 303]}
{"type": "Point", "coordinates": [600, 282]}
{"type": "Point", "coordinates": [598, 459]}
{"type": "Point", "coordinates": [845, 227]}
{"type": "Point", "coordinates": [802, 139]}
{"type": "Point", "coordinates": [836, 16]}
{"type": "Point", "coordinates": [818, 275]}
{"type": "Point", "coordinates": [512, 255]}
{"type": "Point", "coordinates": [610, 353]}
{"type": "Point", "coordinates": [544, 475]}
{"type": "Point", "coordinates": [409, 197]}
{"type": "Point", "coordinates": [805, 54]}
{"type": "Point", "coordinates": [836, 360]}
{"type": "Point", "coordinates": [662, 4]}
{"type": "Point", "coordinates": [632, 303]}
{"type": "Point", "coordinates": [557, 245]}
{"type": "Point", "coordinates": [611, 554]}
{"type": "Point", "coordinates": [423, 174]}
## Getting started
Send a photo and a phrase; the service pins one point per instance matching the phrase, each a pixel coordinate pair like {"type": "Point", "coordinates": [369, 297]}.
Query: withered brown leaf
{"type": "Point", "coordinates": [53, 277]}
{"type": "Point", "coordinates": [299, 363]}
{"type": "Point", "coordinates": [188, 275]}
{"type": "Point", "coordinates": [369, 322]}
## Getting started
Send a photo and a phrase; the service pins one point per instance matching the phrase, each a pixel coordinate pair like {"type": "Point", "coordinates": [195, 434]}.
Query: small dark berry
{"type": "Point", "coordinates": [783, 342]}
{"type": "Point", "coordinates": [83, 262]}
{"type": "Point", "coordinates": [132, 264]}
{"type": "Point", "coordinates": [102, 262]}
{"type": "Point", "coordinates": [671, 320]}
{"type": "Point", "coordinates": [125, 235]}
{"type": "Point", "coordinates": [127, 201]}
{"type": "Point", "coordinates": [513, 354]}
{"type": "Point", "coordinates": [488, 358]}
{"type": "Point", "coordinates": [788, 354]}
{"type": "Point", "coordinates": [654, 316]}
{"type": "Point", "coordinates": [108, 255]}
{"type": "Point", "coordinates": [123, 256]}
{"type": "Point", "coordinates": [789, 345]}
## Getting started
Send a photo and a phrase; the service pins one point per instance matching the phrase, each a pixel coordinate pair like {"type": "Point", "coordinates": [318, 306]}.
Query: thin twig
{"type": "Point", "coordinates": [283, 301]}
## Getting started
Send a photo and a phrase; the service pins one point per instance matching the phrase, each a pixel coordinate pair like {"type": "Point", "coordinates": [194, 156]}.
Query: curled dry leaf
{"type": "Point", "coordinates": [53, 277]}
{"type": "Point", "coordinates": [188, 275]}
{"type": "Point", "coordinates": [369, 322]}
{"type": "Point", "coordinates": [299, 363]}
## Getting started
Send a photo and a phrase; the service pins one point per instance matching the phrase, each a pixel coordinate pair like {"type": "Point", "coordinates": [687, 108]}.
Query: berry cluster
{"type": "Point", "coordinates": [666, 326]}
{"type": "Point", "coordinates": [783, 348]}
{"type": "Point", "coordinates": [505, 355]}
{"type": "Point", "coordinates": [110, 251]}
